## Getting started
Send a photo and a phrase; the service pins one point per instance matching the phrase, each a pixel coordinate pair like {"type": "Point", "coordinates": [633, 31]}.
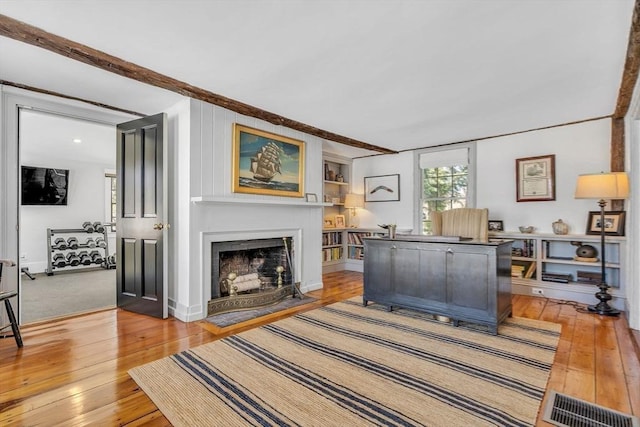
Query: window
{"type": "Point", "coordinates": [110, 186]}
{"type": "Point", "coordinates": [445, 182]}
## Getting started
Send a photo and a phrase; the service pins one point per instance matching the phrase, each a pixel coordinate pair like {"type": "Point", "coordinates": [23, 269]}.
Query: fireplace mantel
{"type": "Point", "coordinates": [293, 202]}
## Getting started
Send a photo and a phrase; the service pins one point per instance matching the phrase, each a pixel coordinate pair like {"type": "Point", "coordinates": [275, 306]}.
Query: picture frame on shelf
{"type": "Point", "coordinates": [496, 225]}
{"type": "Point", "coordinates": [311, 197]}
{"type": "Point", "coordinates": [535, 178]}
{"type": "Point", "coordinates": [266, 163]}
{"type": "Point", "coordinates": [340, 221]}
{"type": "Point", "coordinates": [328, 223]}
{"type": "Point", "coordinates": [613, 223]}
{"type": "Point", "coordinates": [382, 188]}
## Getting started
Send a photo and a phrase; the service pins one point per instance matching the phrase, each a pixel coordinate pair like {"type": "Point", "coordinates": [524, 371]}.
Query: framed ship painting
{"type": "Point", "coordinates": [266, 163]}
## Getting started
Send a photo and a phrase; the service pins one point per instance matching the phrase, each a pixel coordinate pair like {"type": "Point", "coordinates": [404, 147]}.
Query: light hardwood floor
{"type": "Point", "coordinates": [74, 371]}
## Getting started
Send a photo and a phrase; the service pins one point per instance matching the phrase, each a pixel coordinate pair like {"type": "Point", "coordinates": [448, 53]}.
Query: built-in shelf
{"type": "Point", "coordinates": [546, 264]}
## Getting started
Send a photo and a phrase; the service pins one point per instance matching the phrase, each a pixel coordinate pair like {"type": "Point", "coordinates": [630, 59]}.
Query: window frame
{"type": "Point", "coordinates": [418, 190]}
{"type": "Point", "coordinates": [109, 177]}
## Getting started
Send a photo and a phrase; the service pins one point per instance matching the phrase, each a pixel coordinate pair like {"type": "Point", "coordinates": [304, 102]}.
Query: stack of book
{"type": "Point", "coordinates": [556, 277]}
{"type": "Point", "coordinates": [523, 269]}
{"type": "Point", "coordinates": [517, 270]}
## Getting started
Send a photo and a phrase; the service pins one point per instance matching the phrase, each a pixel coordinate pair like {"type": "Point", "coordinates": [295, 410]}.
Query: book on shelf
{"type": "Point", "coordinates": [331, 254]}
{"type": "Point", "coordinates": [331, 238]}
{"type": "Point", "coordinates": [556, 277]}
{"type": "Point", "coordinates": [530, 270]}
{"type": "Point", "coordinates": [523, 269]}
{"type": "Point", "coordinates": [590, 277]}
{"type": "Point", "coordinates": [356, 253]}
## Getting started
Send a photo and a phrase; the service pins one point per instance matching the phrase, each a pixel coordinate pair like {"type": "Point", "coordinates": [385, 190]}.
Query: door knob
{"type": "Point", "coordinates": [160, 226]}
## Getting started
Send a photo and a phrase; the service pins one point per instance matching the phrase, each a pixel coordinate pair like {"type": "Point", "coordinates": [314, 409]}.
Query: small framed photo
{"type": "Point", "coordinates": [340, 221]}
{"type": "Point", "coordinates": [536, 178]}
{"type": "Point", "coordinates": [311, 197]}
{"type": "Point", "coordinates": [495, 225]}
{"type": "Point", "coordinates": [613, 223]}
{"type": "Point", "coordinates": [328, 223]}
{"type": "Point", "coordinates": [383, 188]}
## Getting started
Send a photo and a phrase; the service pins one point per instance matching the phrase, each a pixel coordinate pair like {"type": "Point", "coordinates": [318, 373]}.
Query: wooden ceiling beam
{"type": "Point", "coordinates": [631, 66]}
{"type": "Point", "coordinates": [29, 34]}
{"type": "Point", "coordinates": [627, 85]}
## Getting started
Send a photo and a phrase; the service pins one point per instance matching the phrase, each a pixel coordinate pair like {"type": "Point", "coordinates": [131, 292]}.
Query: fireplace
{"type": "Point", "coordinates": [249, 273]}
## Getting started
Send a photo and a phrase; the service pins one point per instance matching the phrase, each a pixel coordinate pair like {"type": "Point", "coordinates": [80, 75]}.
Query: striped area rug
{"type": "Point", "coordinates": [346, 365]}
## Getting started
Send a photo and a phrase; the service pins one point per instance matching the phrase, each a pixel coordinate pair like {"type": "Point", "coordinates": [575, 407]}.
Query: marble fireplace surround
{"type": "Point", "coordinates": [208, 238]}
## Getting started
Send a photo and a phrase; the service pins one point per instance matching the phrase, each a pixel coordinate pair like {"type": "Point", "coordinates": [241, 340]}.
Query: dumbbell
{"type": "Point", "coordinates": [72, 243]}
{"type": "Point", "coordinates": [98, 227]}
{"type": "Point", "coordinates": [85, 259]}
{"type": "Point", "coordinates": [96, 258]}
{"type": "Point", "coordinates": [73, 259]}
{"type": "Point", "coordinates": [90, 243]}
{"type": "Point", "coordinates": [59, 260]}
{"type": "Point", "coordinates": [60, 244]}
{"type": "Point", "coordinates": [88, 227]}
{"type": "Point", "coordinates": [100, 242]}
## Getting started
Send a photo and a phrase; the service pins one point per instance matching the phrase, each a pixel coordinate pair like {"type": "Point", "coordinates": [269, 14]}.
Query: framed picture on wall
{"type": "Point", "coordinates": [382, 188]}
{"type": "Point", "coordinates": [266, 163]}
{"type": "Point", "coordinates": [536, 178]}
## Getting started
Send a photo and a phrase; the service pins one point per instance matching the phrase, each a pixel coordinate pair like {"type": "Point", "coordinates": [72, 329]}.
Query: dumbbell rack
{"type": "Point", "coordinates": [82, 235]}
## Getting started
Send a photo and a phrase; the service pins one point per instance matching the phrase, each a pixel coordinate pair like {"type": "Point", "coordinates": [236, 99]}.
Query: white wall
{"type": "Point", "coordinates": [85, 202]}
{"type": "Point", "coordinates": [580, 148]}
{"type": "Point", "coordinates": [399, 213]}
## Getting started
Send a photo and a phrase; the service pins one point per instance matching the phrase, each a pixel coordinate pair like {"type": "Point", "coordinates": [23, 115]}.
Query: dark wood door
{"type": "Point", "coordinates": [140, 228]}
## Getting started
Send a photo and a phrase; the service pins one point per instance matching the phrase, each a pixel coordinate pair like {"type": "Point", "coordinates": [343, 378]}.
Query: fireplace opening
{"type": "Point", "coordinates": [249, 273]}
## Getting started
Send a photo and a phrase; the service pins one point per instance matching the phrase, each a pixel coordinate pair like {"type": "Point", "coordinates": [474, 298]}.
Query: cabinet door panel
{"type": "Point", "coordinates": [419, 272]}
{"type": "Point", "coordinates": [377, 276]}
{"type": "Point", "coordinates": [468, 280]}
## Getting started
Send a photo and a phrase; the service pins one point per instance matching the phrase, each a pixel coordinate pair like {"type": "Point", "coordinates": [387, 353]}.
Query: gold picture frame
{"type": "Point", "coordinates": [536, 178]}
{"type": "Point", "coordinates": [340, 221]}
{"type": "Point", "coordinates": [266, 163]}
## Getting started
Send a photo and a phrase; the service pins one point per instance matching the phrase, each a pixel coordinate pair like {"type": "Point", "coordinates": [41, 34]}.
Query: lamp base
{"type": "Point", "coordinates": [604, 309]}
{"type": "Point", "coordinates": [603, 306]}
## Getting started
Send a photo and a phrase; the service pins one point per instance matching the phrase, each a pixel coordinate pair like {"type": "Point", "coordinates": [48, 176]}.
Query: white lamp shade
{"type": "Point", "coordinates": [610, 186]}
{"type": "Point", "coordinates": [354, 201]}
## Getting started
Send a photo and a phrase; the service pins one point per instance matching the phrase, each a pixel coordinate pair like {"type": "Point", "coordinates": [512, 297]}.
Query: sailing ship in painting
{"type": "Point", "coordinates": [265, 164]}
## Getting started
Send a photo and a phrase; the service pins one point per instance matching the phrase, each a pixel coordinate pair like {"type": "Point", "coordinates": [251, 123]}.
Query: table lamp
{"type": "Point", "coordinates": [352, 202]}
{"type": "Point", "coordinates": [603, 186]}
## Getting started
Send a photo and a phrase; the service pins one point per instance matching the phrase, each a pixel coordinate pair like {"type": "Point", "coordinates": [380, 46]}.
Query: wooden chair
{"type": "Point", "coordinates": [462, 222]}
{"type": "Point", "coordinates": [6, 296]}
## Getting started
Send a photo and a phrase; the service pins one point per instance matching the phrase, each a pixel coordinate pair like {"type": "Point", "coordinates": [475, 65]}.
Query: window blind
{"type": "Point", "coordinates": [434, 159]}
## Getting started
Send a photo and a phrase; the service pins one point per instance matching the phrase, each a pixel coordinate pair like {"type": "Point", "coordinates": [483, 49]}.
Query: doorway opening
{"type": "Point", "coordinates": [66, 242]}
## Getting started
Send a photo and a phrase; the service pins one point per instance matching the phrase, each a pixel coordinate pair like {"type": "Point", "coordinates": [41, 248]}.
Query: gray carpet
{"type": "Point", "coordinates": [233, 317]}
{"type": "Point", "coordinates": [66, 293]}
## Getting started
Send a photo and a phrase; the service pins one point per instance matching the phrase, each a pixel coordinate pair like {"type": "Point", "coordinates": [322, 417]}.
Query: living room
{"type": "Point", "coordinates": [204, 205]}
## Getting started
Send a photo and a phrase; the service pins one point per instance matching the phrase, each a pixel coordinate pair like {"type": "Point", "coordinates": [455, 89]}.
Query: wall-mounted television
{"type": "Point", "coordinates": [44, 186]}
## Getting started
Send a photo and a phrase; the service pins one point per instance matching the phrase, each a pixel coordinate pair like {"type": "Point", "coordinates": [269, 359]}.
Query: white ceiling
{"type": "Point", "coordinates": [400, 74]}
{"type": "Point", "coordinates": [48, 140]}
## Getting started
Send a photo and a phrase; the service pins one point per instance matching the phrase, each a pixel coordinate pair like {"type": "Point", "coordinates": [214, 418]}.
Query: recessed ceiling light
{"type": "Point", "coordinates": [77, 140]}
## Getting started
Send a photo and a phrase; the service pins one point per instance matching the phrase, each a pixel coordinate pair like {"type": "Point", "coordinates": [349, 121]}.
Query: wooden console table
{"type": "Point", "coordinates": [464, 280]}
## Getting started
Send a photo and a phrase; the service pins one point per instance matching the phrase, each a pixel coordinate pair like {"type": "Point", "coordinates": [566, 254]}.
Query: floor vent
{"type": "Point", "coordinates": [563, 410]}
